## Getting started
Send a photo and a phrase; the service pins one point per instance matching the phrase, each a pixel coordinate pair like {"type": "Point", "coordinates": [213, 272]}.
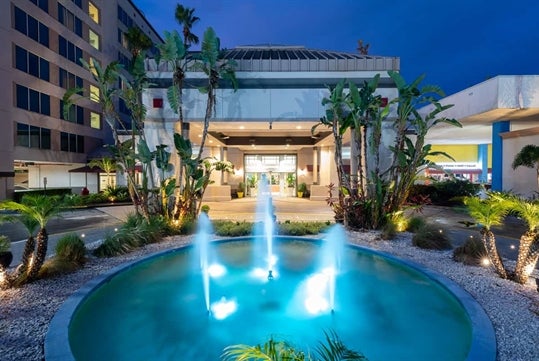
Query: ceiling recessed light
{"type": "Point", "coordinates": [242, 127]}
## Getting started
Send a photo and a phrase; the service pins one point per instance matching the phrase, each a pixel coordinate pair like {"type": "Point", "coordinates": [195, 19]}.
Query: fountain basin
{"type": "Point", "coordinates": [154, 308]}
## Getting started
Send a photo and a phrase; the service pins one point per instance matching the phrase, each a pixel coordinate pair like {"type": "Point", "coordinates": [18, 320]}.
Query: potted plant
{"type": "Point", "coordinates": [241, 189]}
{"type": "Point", "coordinates": [251, 182]}
{"type": "Point", "coordinates": [302, 189]}
{"type": "Point", "coordinates": [5, 252]}
{"type": "Point", "coordinates": [290, 183]}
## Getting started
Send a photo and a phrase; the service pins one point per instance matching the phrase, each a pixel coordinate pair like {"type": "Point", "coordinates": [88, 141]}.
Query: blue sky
{"type": "Point", "coordinates": [456, 43]}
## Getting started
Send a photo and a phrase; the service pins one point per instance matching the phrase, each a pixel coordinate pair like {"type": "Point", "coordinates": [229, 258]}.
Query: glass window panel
{"type": "Point", "coordinates": [95, 120]}
{"type": "Point", "coordinates": [34, 137]}
{"type": "Point", "coordinates": [94, 93]}
{"type": "Point", "coordinates": [45, 138]}
{"type": "Point", "coordinates": [34, 101]}
{"type": "Point", "coordinates": [61, 14]}
{"type": "Point", "coordinates": [33, 28]}
{"type": "Point", "coordinates": [93, 11]}
{"type": "Point", "coordinates": [79, 82]}
{"type": "Point", "coordinates": [62, 46]}
{"type": "Point", "coordinates": [21, 59]}
{"type": "Point", "coordinates": [33, 65]}
{"type": "Point", "coordinates": [44, 5]}
{"type": "Point", "coordinates": [43, 35]}
{"type": "Point", "coordinates": [80, 144]}
{"type": "Point", "coordinates": [78, 26]}
{"type": "Point", "coordinates": [23, 138]}
{"type": "Point", "coordinates": [80, 115]}
{"type": "Point", "coordinates": [64, 142]}
{"type": "Point", "coordinates": [22, 97]}
{"type": "Point", "coordinates": [45, 104]}
{"type": "Point", "coordinates": [20, 21]}
{"type": "Point", "coordinates": [94, 39]}
{"type": "Point", "coordinates": [44, 71]}
{"type": "Point", "coordinates": [62, 78]}
{"type": "Point", "coordinates": [78, 55]}
{"type": "Point", "coordinates": [72, 142]}
{"type": "Point", "coordinates": [71, 51]}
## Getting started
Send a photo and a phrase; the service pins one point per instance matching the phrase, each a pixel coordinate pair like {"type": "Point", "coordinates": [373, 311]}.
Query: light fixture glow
{"type": "Point", "coordinates": [223, 308]}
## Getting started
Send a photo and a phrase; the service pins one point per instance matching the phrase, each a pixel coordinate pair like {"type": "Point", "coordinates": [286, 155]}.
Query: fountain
{"type": "Point", "coordinates": [379, 305]}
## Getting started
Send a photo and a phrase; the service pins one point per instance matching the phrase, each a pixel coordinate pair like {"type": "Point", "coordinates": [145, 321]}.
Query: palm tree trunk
{"type": "Point", "coordinates": [489, 242]}
{"type": "Point", "coordinates": [21, 271]}
{"type": "Point", "coordinates": [41, 253]}
{"type": "Point", "coordinates": [526, 240]}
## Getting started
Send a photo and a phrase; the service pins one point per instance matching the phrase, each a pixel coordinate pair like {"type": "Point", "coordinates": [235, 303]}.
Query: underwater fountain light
{"type": "Point", "coordinates": [223, 308]}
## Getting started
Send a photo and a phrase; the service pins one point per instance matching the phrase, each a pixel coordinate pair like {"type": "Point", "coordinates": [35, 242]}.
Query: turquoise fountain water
{"type": "Point", "coordinates": [156, 308]}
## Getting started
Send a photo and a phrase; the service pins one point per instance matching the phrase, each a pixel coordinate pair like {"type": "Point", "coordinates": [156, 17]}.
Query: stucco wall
{"type": "Point", "coordinates": [523, 180]}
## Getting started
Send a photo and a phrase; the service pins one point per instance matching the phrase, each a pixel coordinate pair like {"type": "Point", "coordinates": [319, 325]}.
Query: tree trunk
{"type": "Point", "coordinates": [526, 260]}
{"type": "Point", "coordinates": [22, 270]}
{"type": "Point", "coordinates": [41, 253]}
{"type": "Point", "coordinates": [489, 242]}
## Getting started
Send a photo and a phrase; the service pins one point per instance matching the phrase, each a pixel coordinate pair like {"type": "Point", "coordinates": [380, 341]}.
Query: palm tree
{"type": "Point", "coordinates": [35, 210]}
{"type": "Point", "coordinates": [107, 164]}
{"type": "Point", "coordinates": [279, 350]}
{"type": "Point", "coordinates": [137, 41]}
{"type": "Point", "coordinates": [528, 250]}
{"type": "Point", "coordinates": [212, 63]}
{"type": "Point", "coordinates": [528, 157]}
{"type": "Point", "coordinates": [184, 16]}
{"type": "Point", "coordinates": [489, 212]}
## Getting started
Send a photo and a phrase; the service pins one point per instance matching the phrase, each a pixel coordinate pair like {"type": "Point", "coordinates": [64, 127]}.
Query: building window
{"type": "Point", "coordinates": [94, 39]}
{"type": "Point", "coordinates": [71, 142]}
{"type": "Point", "coordinates": [94, 93]}
{"type": "Point", "coordinates": [78, 3]}
{"type": "Point", "coordinates": [69, 50]}
{"type": "Point", "coordinates": [31, 64]}
{"type": "Point", "coordinates": [68, 80]}
{"type": "Point", "coordinates": [93, 11]}
{"type": "Point", "coordinates": [124, 18]}
{"type": "Point", "coordinates": [157, 102]}
{"type": "Point", "coordinates": [69, 20]}
{"type": "Point", "coordinates": [33, 100]}
{"type": "Point", "coordinates": [30, 27]}
{"type": "Point", "coordinates": [124, 60]}
{"type": "Point", "coordinates": [43, 4]}
{"type": "Point", "coordinates": [75, 113]}
{"type": "Point", "coordinates": [95, 120]}
{"type": "Point", "coordinates": [33, 137]}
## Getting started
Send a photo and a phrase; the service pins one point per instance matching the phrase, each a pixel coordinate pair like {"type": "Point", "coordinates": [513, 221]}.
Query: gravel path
{"type": "Point", "coordinates": [514, 309]}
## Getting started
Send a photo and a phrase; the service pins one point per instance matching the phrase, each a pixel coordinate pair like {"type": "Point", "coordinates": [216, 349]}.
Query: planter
{"type": "Point", "coordinates": [240, 194]}
{"type": "Point", "coordinates": [6, 258]}
{"type": "Point", "coordinates": [300, 194]}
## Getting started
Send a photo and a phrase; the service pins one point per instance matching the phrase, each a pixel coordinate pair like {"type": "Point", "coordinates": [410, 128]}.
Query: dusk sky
{"type": "Point", "coordinates": [456, 43]}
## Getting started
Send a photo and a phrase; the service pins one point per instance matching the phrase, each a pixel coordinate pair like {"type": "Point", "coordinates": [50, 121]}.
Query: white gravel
{"type": "Point", "coordinates": [512, 308]}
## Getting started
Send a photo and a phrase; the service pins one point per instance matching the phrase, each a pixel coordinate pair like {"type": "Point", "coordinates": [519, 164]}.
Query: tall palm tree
{"type": "Point", "coordinates": [489, 212]}
{"type": "Point", "coordinates": [137, 41]}
{"type": "Point", "coordinates": [185, 17]}
{"type": "Point", "coordinates": [528, 250]}
{"type": "Point", "coordinates": [35, 210]}
{"type": "Point", "coordinates": [528, 157]}
{"type": "Point", "coordinates": [211, 61]}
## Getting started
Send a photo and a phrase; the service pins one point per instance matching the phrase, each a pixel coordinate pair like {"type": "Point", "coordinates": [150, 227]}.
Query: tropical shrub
{"type": "Point", "coordinates": [415, 223]}
{"type": "Point", "coordinates": [5, 244]}
{"type": "Point", "coordinates": [71, 248]}
{"type": "Point", "coordinates": [431, 237]}
{"type": "Point", "coordinates": [232, 229]}
{"type": "Point", "coordinates": [445, 193]}
{"type": "Point", "coordinates": [301, 228]}
{"type": "Point", "coordinates": [472, 252]}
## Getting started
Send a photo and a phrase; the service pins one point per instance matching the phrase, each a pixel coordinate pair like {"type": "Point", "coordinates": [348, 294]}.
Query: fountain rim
{"type": "Point", "coordinates": [482, 346]}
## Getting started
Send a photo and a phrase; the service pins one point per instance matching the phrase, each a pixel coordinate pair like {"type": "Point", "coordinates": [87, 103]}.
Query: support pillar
{"type": "Point", "coordinates": [224, 158]}
{"type": "Point", "coordinates": [354, 159]}
{"type": "Point", "coordinates": [482, 159]}
{"type": "Point", "coordinates": [315, 165]}
{"type": "Point", "coordinates": [497, 153]}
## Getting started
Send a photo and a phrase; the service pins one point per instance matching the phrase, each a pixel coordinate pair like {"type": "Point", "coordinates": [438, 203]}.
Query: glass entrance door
{"type": "Point", "coordinates": [278, 169]}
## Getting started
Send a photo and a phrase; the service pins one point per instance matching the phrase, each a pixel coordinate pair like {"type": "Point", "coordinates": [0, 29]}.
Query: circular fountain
{"type": "Point", "coordinates": [190, 303]}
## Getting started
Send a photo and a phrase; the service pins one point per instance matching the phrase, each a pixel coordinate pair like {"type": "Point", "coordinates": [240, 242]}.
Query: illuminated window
{"type": "Point", "coordinates": [93, 11]}
{"type": "Point", "coordinates": [93, 62]}
{"type": "Point", "coordinates": [95, 120]}
{"type": "Point", "coordinates": [94, 93]}
{"type": "Point", "coordinates": [94, 39]}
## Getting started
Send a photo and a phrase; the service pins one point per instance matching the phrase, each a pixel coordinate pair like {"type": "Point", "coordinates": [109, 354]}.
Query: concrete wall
{"type": "Point", "coordinates": [523, 180]}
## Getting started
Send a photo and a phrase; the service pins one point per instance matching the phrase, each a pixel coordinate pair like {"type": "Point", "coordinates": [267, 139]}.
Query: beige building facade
{"type": "Point", "coordinates": [44, 40]}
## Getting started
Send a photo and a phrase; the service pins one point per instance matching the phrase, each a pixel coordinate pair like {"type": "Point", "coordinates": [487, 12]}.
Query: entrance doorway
{"type": "Point", "coordinates": [277, 169]}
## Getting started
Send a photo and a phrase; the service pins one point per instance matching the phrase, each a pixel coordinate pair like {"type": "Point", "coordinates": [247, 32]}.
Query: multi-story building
{"type": "Point", "coordinates": [45, 40]}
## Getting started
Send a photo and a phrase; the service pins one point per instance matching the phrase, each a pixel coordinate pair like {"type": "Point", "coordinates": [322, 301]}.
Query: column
{"type": "Point", "coordinates": [497, 153]}
{"type": "Point", "coordinates": [315, 165]}
{"type": "Point", "coordinates": [482, 159]}
{"type": "Point", "coordinates": [224, 158]}
{"type": "Point", "coordinates": [354, 157]}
